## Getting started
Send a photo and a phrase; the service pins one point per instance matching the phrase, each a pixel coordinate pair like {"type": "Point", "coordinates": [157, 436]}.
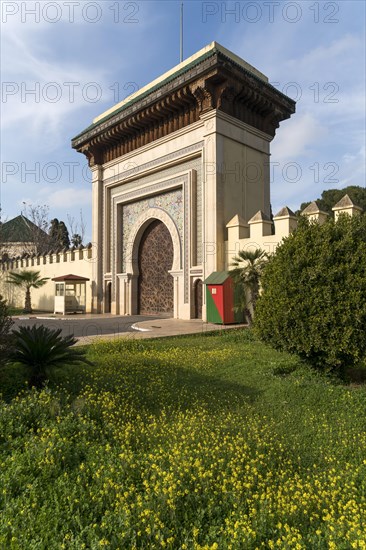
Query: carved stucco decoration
{"type": "Point", "coordinates": [137, 231]}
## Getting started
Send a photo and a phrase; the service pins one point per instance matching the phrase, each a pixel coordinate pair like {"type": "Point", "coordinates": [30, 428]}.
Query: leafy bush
{"type": "Point", "coordinates": [5, 325]}
{"type": "Point", "coordinates": [314, 293]}
{"type": "Point", "coordinates": [40, 348]}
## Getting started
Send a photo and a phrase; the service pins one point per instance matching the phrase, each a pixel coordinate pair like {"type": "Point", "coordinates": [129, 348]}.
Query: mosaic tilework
{"type": "Point", "coordinates": [171, 202]}
{"type": "Point", "coordinates": [192, 164]}
{"type": "Point", "coordinates": [199, 205]}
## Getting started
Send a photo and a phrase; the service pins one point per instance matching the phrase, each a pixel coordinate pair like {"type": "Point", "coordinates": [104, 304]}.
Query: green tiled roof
{"type": "Point", "coordinates": [217, 278]}
{"type": "Point", "coordinates": [18, 230]}
{"type": "Point", "coordinates": [133, 100]}
{"type": "Point", "coordinates": [217, 49]}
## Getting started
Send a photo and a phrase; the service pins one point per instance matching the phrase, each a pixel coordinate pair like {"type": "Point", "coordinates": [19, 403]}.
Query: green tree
{"type": "Point", "coordinates": [330, 197]}
{"type": "Point", "coordinates": [26, 280]}
{"type": "Point", "coordinates": [40, 348]}
{"type": "Point", "coordinates": [248, 268]}
{"type": "Point", "coordinates": [59, 234]}
{"type": "Point", "coordinates": [76, 240]}
{"type": "Point", "coordinates": [314, 293]}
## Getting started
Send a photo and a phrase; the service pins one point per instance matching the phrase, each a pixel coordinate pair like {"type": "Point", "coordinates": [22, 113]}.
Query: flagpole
{"type": "Point", "coordinates": [181, 32]}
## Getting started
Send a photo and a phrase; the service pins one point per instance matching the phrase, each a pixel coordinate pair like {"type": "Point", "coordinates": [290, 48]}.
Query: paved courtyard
{"type": "Point", "coordinates": [87, 328]}
{"type": "Point", "coordinates": [83, 326]}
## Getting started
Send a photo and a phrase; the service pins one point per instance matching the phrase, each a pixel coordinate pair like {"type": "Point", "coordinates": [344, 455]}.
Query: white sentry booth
{"type": "Point", "coordinates": [70, 294]}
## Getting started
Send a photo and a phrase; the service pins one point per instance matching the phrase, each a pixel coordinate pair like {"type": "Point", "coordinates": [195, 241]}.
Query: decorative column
{"type": "Point", "coordinates": [179, 307]}
{"type": "Point", "coordinates": [124, 293]}
{"type": "Point", "coordinates": [97, 236]}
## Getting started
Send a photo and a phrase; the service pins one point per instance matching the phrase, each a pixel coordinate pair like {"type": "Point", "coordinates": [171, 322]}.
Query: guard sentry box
{"type": "Point", "coordinates": [221, 297]}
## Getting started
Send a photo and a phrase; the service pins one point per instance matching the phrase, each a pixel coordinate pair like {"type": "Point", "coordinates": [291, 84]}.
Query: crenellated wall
{"type": "Point", "coordinates": [256, 233]}
{"type": "Point", "coordinates": [75, 261]}
{"type": "Point", "coordinates": [259, 232]}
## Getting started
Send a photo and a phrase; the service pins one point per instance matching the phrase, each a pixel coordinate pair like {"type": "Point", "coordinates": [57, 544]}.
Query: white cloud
{"type": "Point", "coordinates": [325, 137]}
{"type": "Point", "coordinates": [299, 138]}
{"type": "Point", "coordinates": [323, 55]}
{"type": "Point", "coordinates": [46, 82]}
{"type": "Point", "coordinates": [107, 53]}
{"type": "Point", "coordinates": [39, 96]}
{"type": "Point", "coordinates": [65, 198]}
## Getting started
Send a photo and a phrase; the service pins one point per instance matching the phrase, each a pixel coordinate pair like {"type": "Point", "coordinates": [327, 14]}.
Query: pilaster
{"type": "Point", "coordinates": [97, 235]}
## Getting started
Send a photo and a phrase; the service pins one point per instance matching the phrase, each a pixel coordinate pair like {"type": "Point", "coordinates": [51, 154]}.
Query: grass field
{"type": "Point", "coordinates": [202, 442]}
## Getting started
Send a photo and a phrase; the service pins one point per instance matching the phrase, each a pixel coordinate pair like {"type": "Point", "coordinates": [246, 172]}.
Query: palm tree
{"type": "Point", "coordinates": [40, 348]}
{"type": "Point", "coordinates": [248, 267]}
{"type": "Point", "coordinates": [27, 280]}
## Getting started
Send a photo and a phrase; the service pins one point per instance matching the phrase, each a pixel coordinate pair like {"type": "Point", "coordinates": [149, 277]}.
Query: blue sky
{"type": "Point", "coordinates": [65, 62]}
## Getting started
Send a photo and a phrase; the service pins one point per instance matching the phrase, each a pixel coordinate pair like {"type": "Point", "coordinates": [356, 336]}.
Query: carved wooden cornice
{"type": "Point", "coordinates": [216, 82]}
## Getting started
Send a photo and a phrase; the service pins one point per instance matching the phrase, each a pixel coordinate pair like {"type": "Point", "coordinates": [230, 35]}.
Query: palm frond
{"type": "Point", "coordinates": [26, 278]}
{"type": "Point", "coordinates": [40, 348]}
{"type": "Point", "coordinates": [247, 269]}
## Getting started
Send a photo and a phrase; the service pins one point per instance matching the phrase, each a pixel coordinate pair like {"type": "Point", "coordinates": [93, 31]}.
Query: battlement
{"type": "Point", "coordinates": [52, 257]}
{"type": "Point", "coordinates": [80, 261]}
{"type": "Point", "coordinates": [261, 232]}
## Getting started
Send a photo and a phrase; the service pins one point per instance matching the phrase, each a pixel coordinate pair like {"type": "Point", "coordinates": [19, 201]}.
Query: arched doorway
{"type": "Point", "coordinates": [198, 288]}
{"type": "Point", "coordinates": [108, 297]}
{"type": "Point", "coordinates": [155, 258]}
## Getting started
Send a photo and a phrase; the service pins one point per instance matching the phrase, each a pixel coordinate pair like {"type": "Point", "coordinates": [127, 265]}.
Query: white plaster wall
{"type": "Point", "coordinates": [76, 263]}
{"type": "Point", "coordinates": [257, 237]}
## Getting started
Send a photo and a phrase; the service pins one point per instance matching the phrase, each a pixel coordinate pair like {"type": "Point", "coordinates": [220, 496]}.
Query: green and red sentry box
{"type": "Point", "coordinates": [221, 295]}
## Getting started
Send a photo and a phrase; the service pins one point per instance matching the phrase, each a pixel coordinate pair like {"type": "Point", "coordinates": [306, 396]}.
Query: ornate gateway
{"type": "Point", "coordinates": [155, 284]}
{"type": "Point", "coordinates": [191, 150]}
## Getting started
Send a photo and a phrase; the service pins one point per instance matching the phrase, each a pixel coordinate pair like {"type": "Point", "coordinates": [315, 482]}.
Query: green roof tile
{"type": "Point", "coordinates": [18, 230]}
{"type": "Point", "coordinates": [217, 278]}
